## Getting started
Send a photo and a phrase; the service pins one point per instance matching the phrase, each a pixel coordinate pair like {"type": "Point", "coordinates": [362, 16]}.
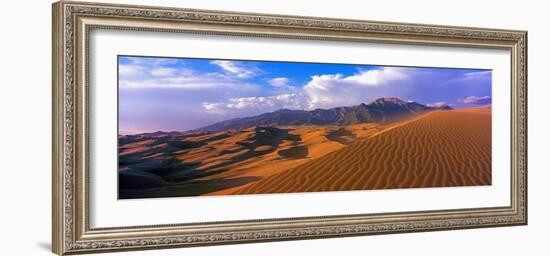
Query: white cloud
{"type": "Point", "coordinates": [162, 72]}
{"type": "Point", "coordinates": [437, 104]}
{"type": "Point", "coordinates": [473, 76]}
{"type": "Point", "coordinates": [258, 104]}
{"type": "Point", "coordinates": [168, 73]}
{"type": "Point", "coordinates": [478, 73]}
{"type": "Point", "coordinates": [130, 70]}
{"type": "Point", "coordinates": [269, 102]}
{"type": "Point", "coordinates": [189, 82]}
{"type": "Point", "coordinates": [378, 77]}
{"type": "Point", "coordinates": [216, 107]}
{"type": "Point", "coordinates": [483, 100]}
{"type": "Point", "coordinates": [234, 68]}
{"type": "Point", "coordinates": [338, 90]}
{"type": "Point", "coordinates": [279, 82]}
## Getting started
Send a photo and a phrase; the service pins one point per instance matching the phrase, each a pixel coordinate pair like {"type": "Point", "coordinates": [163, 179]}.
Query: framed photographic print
{"type": "Point", "coordinates": [179, 127]}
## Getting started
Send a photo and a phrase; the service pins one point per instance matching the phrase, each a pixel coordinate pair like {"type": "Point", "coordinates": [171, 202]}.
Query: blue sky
{"type": "Point", "coordinates": [178, 94]}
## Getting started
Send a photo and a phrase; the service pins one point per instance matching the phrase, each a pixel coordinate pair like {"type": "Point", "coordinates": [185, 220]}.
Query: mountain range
{"type": "Point", "coordinates": [382, 111]}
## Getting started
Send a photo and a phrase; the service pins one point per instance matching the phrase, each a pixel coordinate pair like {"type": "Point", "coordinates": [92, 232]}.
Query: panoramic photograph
{"type": "Point", "coordinates": [213, 127]}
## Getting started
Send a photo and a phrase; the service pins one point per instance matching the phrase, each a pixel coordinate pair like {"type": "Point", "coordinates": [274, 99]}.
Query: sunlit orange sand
{"type": "Point", "coordinates": [440, 148]}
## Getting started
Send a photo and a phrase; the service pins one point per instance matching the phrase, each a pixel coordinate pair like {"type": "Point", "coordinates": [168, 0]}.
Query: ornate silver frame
{"type": "Point", "coordinates": [72, 22]}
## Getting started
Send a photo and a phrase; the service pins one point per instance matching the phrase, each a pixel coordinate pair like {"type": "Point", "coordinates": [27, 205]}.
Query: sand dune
{"type": "Point", "coordinates": [224, 162]}
{"type": "Point", "coordinates": [439, 149]}
{"type": "Point", "coordinates": [314, 143]}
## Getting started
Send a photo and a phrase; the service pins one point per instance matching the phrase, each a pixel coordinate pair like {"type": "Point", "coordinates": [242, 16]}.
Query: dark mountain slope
{"type": "Point", "coordinates": [383, 110]}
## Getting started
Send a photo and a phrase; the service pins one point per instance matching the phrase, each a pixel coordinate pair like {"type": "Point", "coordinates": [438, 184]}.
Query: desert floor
{"type": "Point", "coordinates": [437, 149]}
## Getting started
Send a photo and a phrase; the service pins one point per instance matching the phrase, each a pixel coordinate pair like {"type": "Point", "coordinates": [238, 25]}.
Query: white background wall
{"type": "Point", "coordinates": [25, 149]}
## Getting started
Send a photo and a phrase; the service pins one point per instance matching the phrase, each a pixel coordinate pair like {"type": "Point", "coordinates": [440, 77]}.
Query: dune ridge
{"type": "Point", "coordinates": [439, 149]}
{"type": "Point", "coordinates": [201, 163]}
